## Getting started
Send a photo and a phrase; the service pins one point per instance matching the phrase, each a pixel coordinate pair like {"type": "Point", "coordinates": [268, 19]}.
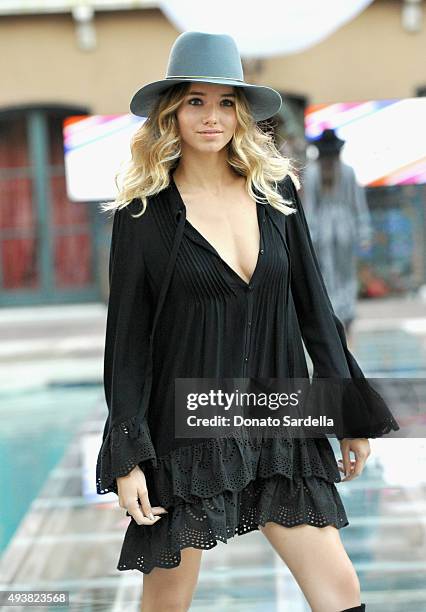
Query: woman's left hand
{"type": "Point", "coordinates": [353, 467]}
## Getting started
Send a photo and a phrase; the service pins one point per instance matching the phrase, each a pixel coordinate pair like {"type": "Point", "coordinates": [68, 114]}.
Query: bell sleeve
{"type": "Point", "coordinates": [126, 440]}
{"type": "Point", "coordinates": [359, 411]}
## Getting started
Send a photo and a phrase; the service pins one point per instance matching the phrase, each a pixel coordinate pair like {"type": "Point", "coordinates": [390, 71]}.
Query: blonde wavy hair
{"type": "Point", "coordinates": [156, 149]}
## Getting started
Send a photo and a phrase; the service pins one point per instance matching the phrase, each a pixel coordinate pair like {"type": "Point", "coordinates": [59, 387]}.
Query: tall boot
{"type": "Point", "coordinates": [360, 608]}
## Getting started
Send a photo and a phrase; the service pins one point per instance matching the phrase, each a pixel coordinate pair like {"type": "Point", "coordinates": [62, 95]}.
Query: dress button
{"type": "Point", "coordinates": [249, 323]}
{"type": "Point", "coordinates": [245, 358]}
{"type": "Point", "coordinates": [262, 251]}
{"type": "Point", "coordinates": [250, 287]}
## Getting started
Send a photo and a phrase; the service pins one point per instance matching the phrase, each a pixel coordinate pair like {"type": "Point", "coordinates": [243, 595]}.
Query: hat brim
{"type": "Point", "coordinates": [264, 101]}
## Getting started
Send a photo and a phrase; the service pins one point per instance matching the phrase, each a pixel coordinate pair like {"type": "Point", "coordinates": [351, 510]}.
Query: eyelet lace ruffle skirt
{"type": "Point", "coordinates": [224, 487]}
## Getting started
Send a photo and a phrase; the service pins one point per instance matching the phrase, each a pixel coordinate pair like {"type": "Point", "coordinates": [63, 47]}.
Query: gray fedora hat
{"type": "Point", "coordinates": [207, 58]}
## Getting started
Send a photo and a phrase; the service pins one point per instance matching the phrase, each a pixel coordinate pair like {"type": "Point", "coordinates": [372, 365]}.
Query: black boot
{"type": "Point", "coordinates": [360, 608]}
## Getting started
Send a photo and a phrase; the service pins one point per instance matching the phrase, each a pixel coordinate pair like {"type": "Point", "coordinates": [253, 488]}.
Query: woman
{"type": "Point", "coordinates": [339, 222]}
{"type": "Point", "coordinates": [208, 280]}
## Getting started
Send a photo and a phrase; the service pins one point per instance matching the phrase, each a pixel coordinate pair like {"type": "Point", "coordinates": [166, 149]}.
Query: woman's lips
{"type": "Point", "coordinates": [210, 134]}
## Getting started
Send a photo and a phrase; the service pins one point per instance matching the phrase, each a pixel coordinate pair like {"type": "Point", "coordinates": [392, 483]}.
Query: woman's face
{"type": "Point", "coordinates": [207, 107]}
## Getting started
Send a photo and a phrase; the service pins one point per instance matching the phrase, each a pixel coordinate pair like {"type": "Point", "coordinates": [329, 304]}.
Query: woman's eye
{"type": "Point", "coordinates": [231, 102]}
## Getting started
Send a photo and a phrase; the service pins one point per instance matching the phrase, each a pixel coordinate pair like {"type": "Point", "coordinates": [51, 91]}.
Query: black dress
{"type": "Point", "coordinates": [177, 310]}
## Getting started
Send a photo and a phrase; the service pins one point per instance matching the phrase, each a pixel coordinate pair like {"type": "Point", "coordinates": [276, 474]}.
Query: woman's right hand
{"type": "Point", "coordinates": [130, 488]}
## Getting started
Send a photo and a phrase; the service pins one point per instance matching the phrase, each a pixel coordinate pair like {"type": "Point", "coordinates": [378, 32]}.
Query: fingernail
{"type": "Point", "coordinates": [347, 474]}
{"type": "Point", "coordinates": [151, 516]}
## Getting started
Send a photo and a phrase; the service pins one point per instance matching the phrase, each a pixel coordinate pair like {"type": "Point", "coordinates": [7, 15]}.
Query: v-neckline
{"type": "Point", "coordinates": [209, 244]}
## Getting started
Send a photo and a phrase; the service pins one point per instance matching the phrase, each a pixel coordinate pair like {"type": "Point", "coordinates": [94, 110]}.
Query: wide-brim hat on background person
{"type": "Point", "coordinates": [328, 142]}
{"type": "Point", "coordinates": [207, 58]}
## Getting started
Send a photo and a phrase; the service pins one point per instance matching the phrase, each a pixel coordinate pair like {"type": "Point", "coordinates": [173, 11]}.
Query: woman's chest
{"type": "Point", "coordinates": [232, 229]}
{"type": "Point", "coordinates": [179, 256]}
{"type": "Point", "coordinates": [202, 276]}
